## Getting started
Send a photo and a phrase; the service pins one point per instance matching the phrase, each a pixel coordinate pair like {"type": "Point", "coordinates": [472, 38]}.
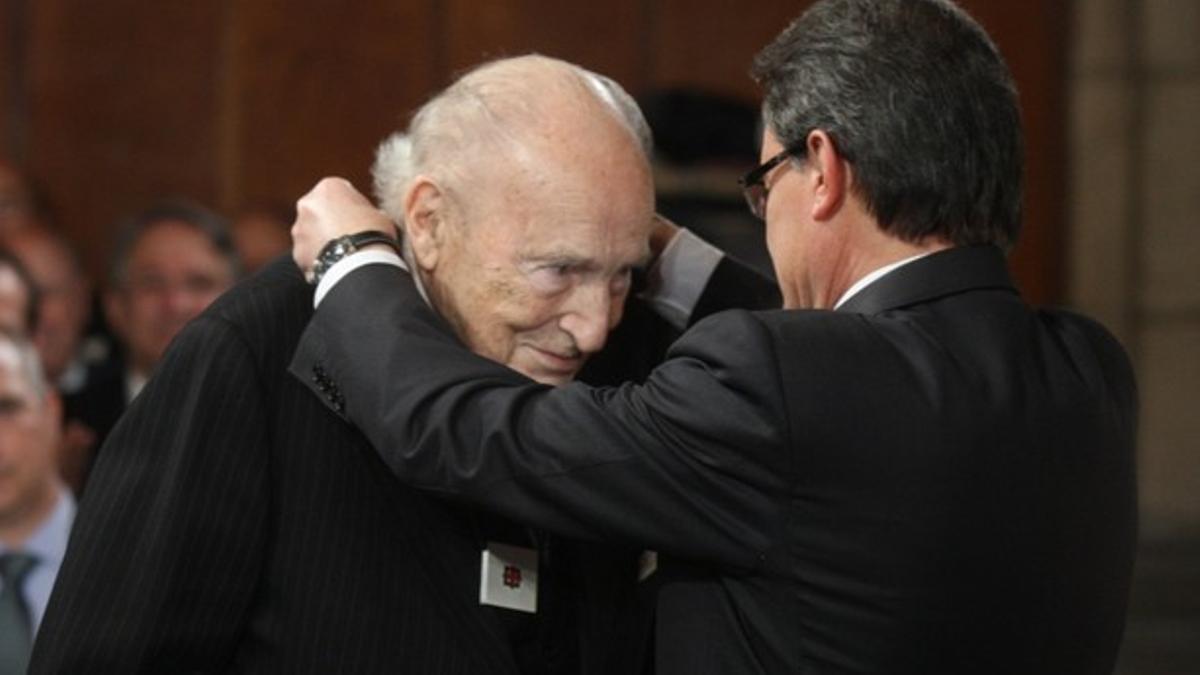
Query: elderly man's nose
{"type": "Point", "coordinates": [589, 323]}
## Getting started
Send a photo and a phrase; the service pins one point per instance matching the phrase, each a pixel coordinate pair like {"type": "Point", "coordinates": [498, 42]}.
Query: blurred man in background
{"type": "Point", "coordinates": [170, 261]}
{"type": "Point", "coordinates": [64, 311]}
{"type": "Point", "coordinates": [36, 509]}
{"type": "Point", "coordinates": [18, 295]}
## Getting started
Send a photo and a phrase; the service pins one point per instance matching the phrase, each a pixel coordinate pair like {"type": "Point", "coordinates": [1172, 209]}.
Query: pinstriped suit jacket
{"type": "Point", "coordinates": [234, 525]}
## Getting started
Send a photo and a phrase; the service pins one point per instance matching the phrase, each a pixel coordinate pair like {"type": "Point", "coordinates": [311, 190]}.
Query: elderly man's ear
{"type": "Point", "coordinates": [425, 221]}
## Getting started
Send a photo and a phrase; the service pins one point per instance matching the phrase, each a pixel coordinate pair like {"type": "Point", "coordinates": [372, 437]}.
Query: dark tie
{"type": "Point", "coordinates": [16, 630]}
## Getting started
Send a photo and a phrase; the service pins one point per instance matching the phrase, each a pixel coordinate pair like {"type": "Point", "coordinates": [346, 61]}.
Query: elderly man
{"type": "Point", "coordinates": [270, 538]}
{"type": "Point", "coordinates": [907, 470]}
{"type": "Point", "coordinates": [35, 508]}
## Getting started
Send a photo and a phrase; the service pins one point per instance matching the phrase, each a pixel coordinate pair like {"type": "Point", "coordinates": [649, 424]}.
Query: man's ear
{"type": "Point", "coordinates": [425, 210]}
{"type": "Point", "coordinates": [832, 175]}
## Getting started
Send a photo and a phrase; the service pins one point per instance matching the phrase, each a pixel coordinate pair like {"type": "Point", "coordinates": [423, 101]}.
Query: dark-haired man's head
{"type": "Point", "coordinates": [169, 263]}
{"type": "Point", "coordinates": [918, 105]}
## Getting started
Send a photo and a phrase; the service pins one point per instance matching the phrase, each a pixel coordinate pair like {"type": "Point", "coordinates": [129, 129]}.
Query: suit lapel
{"type": "Point", "coordinates": [948, 272]}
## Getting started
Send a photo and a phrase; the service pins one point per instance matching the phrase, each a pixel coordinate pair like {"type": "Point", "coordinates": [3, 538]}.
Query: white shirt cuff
{"type": "Point", "coordinates": [352, 262]}
{"type": "Point", "coordinates": [677, 279]}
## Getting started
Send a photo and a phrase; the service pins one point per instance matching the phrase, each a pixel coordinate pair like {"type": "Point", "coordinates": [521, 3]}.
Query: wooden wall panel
{"type": "Point", "coordinates": [10, 62]}
{"type": "Point", "coordinates": [607, 37]}
{"type": "Point", "coordinates": [1032, 35]}
{"type": "Point", "coordinates": [245, 101]}
{"type": "Point", "coordinates": [710, 45]}
{"type": "Point", "coordinates": [121, 108]}
{"type": "Point", "coordinates": [314, 86]}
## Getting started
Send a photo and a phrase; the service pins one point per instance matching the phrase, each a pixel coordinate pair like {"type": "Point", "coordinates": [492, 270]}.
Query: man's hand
{"type": "Point", "coordinates": [331, 209]}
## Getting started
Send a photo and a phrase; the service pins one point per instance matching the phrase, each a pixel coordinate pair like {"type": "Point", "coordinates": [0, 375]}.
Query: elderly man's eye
{"type": "Point", "coordinates": [552, 278]}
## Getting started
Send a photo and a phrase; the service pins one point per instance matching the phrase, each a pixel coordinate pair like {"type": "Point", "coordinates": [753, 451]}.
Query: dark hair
{"type": "Point", "coordinates": [33, 294]}
{"type": "Point", "coordinates": [916, 97]}
{"type": "Point", "coordinates": [213, 226]}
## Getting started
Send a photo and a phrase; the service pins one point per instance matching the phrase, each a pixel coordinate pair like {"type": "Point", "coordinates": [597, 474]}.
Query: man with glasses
{"type": "Point", "coordinates": [907, 470]}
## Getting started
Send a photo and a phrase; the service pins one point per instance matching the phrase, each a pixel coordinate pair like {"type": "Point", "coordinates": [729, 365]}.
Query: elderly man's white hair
{"type": "Point", "coordinates": [489, 106]}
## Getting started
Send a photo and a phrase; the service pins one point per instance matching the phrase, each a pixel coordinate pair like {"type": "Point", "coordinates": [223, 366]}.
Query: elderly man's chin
{"type": "Point", "coordinates": [546, 366]}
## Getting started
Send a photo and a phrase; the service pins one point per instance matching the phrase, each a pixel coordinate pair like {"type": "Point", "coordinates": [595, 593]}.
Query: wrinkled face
{"type": "Point", "coordinates": [28, 438]}
{"type": "Point", "coordinates": [173, 273]}
{"type": "Point", "coordinates": [535, 272]}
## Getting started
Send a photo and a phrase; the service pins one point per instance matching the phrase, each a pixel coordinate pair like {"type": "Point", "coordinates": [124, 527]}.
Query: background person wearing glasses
{"type": "Point", "coordinates": [907, 470]}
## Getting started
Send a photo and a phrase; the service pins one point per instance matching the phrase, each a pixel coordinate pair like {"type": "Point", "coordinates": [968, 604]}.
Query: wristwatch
{"type": "Point", "coordinates": [336, 249]}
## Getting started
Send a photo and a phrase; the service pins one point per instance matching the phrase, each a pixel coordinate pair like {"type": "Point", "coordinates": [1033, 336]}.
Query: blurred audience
{"type": "Point", "coordinates": [65, 302]}
{"type": "Point", "coordinates": [36, 510]}
{"type": "Point", "coordinates": [18, 295]}
{"type": "Point", "coordinates": [64, 311]}
{"type": "Point", "coordinates": [169, 262]}
{"type": "Point", "coordinates": [261, 234]}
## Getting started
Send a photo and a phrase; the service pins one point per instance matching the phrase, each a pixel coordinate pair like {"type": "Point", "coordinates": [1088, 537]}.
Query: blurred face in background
{"type": "Point", "coordinates": [28, 438]}
{"type": "Point", "coordinates": [173, 272]}
{"type": "Point", "coordinates": [65, 297]}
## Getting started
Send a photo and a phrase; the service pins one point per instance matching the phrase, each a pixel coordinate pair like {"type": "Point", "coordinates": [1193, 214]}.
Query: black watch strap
{"type": "Point", "coordinates": [336, 249]}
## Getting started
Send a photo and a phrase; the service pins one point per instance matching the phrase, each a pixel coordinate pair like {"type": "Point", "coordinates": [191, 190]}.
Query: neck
{"type": "Point", "coordinates": [17, 527]}
{"type": "Point", "coordinates": [857, 257]}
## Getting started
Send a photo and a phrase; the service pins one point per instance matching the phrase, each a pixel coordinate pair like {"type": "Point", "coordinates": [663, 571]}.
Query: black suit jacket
{"type": "Point", "coordinates": [232, 524]}
{"type": "Point", "coordinates": [936, 479]}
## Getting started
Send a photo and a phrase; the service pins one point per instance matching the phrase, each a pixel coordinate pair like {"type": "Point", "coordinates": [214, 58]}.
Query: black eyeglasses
{"type": "Point", "coordinates": [754, 186]}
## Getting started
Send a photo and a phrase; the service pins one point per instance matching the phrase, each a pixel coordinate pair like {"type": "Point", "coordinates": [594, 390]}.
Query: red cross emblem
{"type": "Point", "coordinates": [512, 576]}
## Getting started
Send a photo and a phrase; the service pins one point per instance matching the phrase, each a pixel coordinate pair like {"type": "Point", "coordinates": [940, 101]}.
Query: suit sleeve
{"type": "Point", "coordinates": [690, 463]}
{"type": "Point", "coordinates": [168, 542]}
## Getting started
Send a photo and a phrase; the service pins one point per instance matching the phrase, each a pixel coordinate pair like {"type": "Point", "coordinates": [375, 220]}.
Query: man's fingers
{"type": "Point", "coordinates": [332, 208]}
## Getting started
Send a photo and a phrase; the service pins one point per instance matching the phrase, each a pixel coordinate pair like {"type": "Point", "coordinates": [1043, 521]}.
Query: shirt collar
{"type": "Point", "coordinates": [874, 276]}
{"type": "Point", "coordinates": [48, 543]}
